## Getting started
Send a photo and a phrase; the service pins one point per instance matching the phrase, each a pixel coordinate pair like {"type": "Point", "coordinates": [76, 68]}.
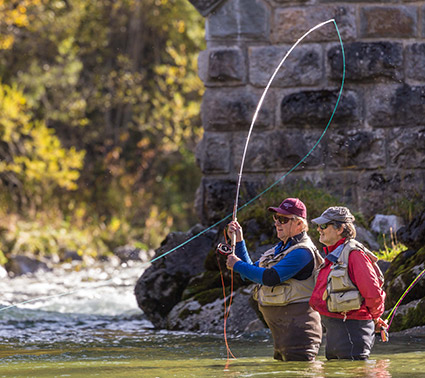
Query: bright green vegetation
{"type": "Point", "coordinates": [99, 118]}
{"type": "Point", "coordinates": [389, 253]}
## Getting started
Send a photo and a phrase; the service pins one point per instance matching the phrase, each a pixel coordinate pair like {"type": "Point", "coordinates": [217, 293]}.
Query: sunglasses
{"type": "Point", "coordinates": [281, 220]}
{"type": "Point", "coordinates": [325, 225]}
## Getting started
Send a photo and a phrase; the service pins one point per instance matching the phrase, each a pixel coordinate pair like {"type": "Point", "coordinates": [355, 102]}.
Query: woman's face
{"type": "Point", "coordinates": [285, 226]}
{"type": "Point", "coordinates": [329, 235]}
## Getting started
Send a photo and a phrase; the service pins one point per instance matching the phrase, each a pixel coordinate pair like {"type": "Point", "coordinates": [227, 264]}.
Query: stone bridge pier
{"type": "Point", "coordinates": [374, 150]}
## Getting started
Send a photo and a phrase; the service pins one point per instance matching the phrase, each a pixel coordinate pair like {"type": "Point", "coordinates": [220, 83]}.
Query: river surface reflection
{"type": "Point", "coordinates": [99, 331]}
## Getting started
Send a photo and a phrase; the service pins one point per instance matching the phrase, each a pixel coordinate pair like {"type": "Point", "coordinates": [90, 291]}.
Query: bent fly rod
{"type": "Point", "coordinates": [229, 249]}
{"type": "Point", "coordinates": [257, 110]}
{"type": "Point", "coordinates": [224, 248]}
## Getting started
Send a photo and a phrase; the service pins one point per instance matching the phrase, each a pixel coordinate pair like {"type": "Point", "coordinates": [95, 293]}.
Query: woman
{"type": "Point", "coordinates": [348, 293]}
{"type": "Point", "coordinates": [285, 275]}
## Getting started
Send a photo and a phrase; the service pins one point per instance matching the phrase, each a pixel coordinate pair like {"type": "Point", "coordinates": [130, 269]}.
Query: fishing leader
{"type": "Point", "coordinates": [285, 275]}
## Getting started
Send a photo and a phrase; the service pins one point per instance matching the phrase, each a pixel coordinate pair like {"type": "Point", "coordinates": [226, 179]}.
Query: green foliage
{"type": "Point", "coordinates": [48, 234]}
{"type": "Point", "coordinates": [102, 104]}
{"type": "Point", "coordinates": [32, 157]}
{"type": "Point", "coordinates": [389, 253]}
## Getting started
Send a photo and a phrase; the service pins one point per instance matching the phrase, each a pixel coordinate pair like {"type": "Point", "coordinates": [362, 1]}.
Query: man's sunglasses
{"type": "Point", "coordinates": [281, 220]}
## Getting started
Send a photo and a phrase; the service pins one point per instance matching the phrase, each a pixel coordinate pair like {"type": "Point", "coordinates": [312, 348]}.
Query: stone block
{"type": "Point", "coordinates": [400, 105]}
{"type": "Point", "coordinates": [423, 18]}
{"type": "Point", "coordinates": [277, 150]}
{"type": "Point", "coordinates": [379, 191]}
{"type": "Point", "coordinates": [230, 109]}
{"type": "Point", "coordinates": [290, 24]}
{"type": "Point", "coordinates": [213, 153]}
{"type": "Point", "coordinates": [367, 61]}
{"type": "Point", "coordinates": [314, 108]}
{"type": "Point", "coordinates": [303, 67]}
{"type": "Point", "coordinates": [204, 7]}
{"type": "Point", "coordinates": [389, 21]}
{"type": "Point", "coordinates": [236, 19]}
{"type": "Point", "coordinates": [341, 184]}
{"type": "Point", "coordinates": [415, 61]}
{"type": "Point", "coordinates": [214, 199]}
{"type": "Point", "coordinates": [222, 65]}
{"type": "Point", "coordinates": [355, 1]}
{"type": "Point", "coordinates": [216, 196]}
{"type": "Point", "coordinates": [355, 149]}
{"type": "Point", "coordinates": [406, 147]}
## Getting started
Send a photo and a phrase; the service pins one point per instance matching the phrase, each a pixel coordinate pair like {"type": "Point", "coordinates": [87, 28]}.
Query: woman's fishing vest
{"type": "Point", "coordinates": [292, 290]}
{"type": "Point", "coordinates": [341, 295]}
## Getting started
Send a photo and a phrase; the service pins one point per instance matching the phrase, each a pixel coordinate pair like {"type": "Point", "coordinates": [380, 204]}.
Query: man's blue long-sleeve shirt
{"type": "Point", "coordinates": [298, 264]}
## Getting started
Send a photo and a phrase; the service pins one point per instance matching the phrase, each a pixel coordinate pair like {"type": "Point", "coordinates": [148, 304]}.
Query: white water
{"type": "Point", "coordinates": [88, 312]}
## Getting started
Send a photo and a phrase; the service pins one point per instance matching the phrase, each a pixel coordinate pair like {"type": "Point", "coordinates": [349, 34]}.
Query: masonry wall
{"type": "Point", "coordinates": [374, 150]}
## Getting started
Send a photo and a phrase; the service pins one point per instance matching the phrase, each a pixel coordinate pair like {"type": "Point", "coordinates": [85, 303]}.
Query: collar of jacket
{"type": "Point", "coordinates": [280, 247]}
{"type": "Point", "coordinates": [332, 248]}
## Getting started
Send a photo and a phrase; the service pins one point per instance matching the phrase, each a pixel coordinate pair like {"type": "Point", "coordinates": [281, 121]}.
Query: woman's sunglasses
{"type": "Point", "coordinates": [281, 220]}
{"type": "Point", "coordinates": [324, 226]}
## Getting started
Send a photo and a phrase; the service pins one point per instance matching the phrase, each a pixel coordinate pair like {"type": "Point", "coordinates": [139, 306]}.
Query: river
{"type": "Point", "coordinates": [97, 330]}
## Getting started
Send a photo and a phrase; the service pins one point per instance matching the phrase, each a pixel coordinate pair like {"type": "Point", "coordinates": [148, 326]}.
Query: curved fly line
{"type": "Point", "coordinates": [235, 207]}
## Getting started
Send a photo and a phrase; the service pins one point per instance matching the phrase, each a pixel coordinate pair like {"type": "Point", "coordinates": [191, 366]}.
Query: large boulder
{"type": "Point", "coordinates": [161, 286]}
{"type": "Point", "coordinates": [413, 235]}
{"type": "Point", "coordinates": [386, 224]}
{"type": "Point", "coordinates": [404, 269]}
{"type": "Point", "coordinates": [20, 265]}
{"type": "Point", "coordinates": [203, 315]}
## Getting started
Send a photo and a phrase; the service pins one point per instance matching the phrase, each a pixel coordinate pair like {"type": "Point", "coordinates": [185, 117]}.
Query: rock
{"type": "Point", "coordinates": [128, 252]}
{"type": "Point", "coordinates": [403, 270]}
{"type": "Point", "coordinates": [3, 272]}
{"type": "Point", "coordinates": [365, 237]}
{"type": "Point", "coordinates": [161, 286]}
{"type": "Point", "coordinates": [367, 61]}
{"type": "Point", "coordinates": [383, 265]}
{"type": "Point", "coordinates": [413, 235]}
{"type": "Point", "coordinates": [198, 316]}
{"type": "Point", "coordinates": [69, 255]}
{"type": "Point", "coordinates": [386, 224]}
{"type": "Point", "coordinates": [19, 265]}
{"type": "Point", "coordinates": [409, 316]}
{"type": "Point", "coordinates": [205, 7]}
{"type": "Point", "coordinates": [313, 108]}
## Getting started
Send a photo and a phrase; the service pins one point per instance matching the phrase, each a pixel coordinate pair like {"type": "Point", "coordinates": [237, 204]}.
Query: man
{"type": "Point", "coordinates": [348, 293]}
{"type": "Point", "coordinates": [286, 279]}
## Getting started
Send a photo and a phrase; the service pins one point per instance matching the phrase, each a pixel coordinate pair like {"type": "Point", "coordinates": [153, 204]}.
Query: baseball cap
{"type": "Point", "coordinates": [335, 213]}
{"type": "Point", "coordinates": [291, 206]}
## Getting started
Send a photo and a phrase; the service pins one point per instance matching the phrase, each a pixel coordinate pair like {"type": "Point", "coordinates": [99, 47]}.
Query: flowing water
{"type": "Point", "coordinates": [99, 331]}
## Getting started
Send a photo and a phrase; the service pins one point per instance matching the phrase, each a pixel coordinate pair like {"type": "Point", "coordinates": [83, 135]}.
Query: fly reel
{"type": "Point", "coordinates": [224, 249]}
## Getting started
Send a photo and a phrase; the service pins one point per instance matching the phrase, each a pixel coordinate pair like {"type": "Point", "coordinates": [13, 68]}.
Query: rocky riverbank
{"type": "Point", "coordinates": [183, 290]}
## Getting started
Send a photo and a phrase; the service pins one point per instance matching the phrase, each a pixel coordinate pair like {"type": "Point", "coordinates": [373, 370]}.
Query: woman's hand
{"type": "Point", "coordinates": [380, 324]}
{"type": "Point", "coordinates": [234, 228]}
{"type": "Point", "coordinates": [231, 261]}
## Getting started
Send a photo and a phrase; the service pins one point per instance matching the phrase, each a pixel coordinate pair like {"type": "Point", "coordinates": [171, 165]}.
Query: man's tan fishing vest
{"type": "Point", "coordinates": [292, 290]}
{"type": "Point", "coordinates": [341, 294]}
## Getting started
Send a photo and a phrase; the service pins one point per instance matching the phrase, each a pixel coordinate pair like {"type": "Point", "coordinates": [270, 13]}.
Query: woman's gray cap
{"type": "Point", "coordinates": [335, 213]}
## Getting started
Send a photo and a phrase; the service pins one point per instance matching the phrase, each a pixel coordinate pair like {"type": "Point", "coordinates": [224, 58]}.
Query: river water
{"type": "Point", "coordinates": [98, 330]}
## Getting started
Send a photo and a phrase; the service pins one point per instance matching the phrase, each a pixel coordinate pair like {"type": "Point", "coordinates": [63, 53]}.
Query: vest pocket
{"type": "Point", "coordinates": [344, 301]}
{"type": "Point", "coordinates": [273, 295]}
{"type": "Point", "coordinates": [338, 280]}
